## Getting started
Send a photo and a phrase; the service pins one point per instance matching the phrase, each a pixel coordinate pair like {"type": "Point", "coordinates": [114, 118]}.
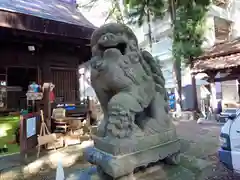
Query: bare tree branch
{"type": "Point", "coordinates": [110, 14]}
{"type": "Point", "coordinates": [89, 5]}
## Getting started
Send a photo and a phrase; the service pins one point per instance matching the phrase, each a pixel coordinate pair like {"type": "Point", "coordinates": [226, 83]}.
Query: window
{"type": "Point", "coordinates": [222, 29]}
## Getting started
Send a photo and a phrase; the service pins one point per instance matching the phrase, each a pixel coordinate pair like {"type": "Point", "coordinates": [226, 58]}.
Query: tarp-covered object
{"type": "Point", "coordinates": [34, 12]}
{"type": "Point", "coordinates": [48, 9]}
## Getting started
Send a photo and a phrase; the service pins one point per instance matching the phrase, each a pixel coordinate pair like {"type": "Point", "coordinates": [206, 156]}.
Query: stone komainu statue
{"type": "Point", "coordinates": [136, 129]}
{"type": "Point", "coordinates": [129, 84]}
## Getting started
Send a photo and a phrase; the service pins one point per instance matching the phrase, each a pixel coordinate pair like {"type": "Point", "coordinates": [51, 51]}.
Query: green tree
{"type": "Point", "coordinates": [144, 11]}
{"type": "Point", "coordinates": [188, 22]}
{"type": "Point", "coordinates": [188, 36]}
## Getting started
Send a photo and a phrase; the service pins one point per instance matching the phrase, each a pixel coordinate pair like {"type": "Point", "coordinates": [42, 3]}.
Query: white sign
{"type": "Point", "coordinates": [31, 127]}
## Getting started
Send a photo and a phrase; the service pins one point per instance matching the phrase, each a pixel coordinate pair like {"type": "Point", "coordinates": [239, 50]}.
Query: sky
{"type": "Point", "coordinates": [98, 13]}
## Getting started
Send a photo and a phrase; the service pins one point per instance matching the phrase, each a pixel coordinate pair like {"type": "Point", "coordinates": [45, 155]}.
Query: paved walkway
{"type": "Point", "coordinates": [15, 167]}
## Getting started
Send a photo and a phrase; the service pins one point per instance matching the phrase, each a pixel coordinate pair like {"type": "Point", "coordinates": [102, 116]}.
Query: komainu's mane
{"type": "Point", "coordinates": [157, 75]}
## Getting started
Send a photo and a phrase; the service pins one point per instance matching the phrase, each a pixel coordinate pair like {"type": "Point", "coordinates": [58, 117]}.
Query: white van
{"type": "Point", "coordinates": [229, 152]}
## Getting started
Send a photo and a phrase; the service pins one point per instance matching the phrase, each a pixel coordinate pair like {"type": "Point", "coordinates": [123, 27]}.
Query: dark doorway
{"type": "Point", "coordinates": [19, 78]}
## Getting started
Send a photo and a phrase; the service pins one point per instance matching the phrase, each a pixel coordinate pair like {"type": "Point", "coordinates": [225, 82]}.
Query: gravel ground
{"type": "Point", "coordinates": [220, 172]}
{"type": "Point", "coordinates": [199, 141]}
{"type": "Point", "coordinates": [204, 142]}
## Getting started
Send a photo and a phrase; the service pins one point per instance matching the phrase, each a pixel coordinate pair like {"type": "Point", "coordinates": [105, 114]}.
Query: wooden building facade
{"type": "Point", "coordinates": [41, 41]}
{"type": "Point", "coordinates": [221, 63]}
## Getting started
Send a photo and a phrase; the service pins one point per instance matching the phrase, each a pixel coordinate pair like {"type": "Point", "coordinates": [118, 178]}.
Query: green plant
{"type": "Point", "coordinates": [189, 28]}
{"type": "Point", "coordinates": [140, 11]}
{"type": "Point", "coordinates": [189, 19]}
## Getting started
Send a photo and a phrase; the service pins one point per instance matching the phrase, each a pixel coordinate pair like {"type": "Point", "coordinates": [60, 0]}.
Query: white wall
{"type": "Point", "coordinates": [236, 19]}
{"type": "Point", "coordinates": [229, 91]}
{"type": "Point", "coordinates": [209, 33]}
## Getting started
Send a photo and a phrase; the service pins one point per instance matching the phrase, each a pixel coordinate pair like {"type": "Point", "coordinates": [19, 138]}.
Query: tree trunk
{"type": "Point", "coordinates": [176, 65]}
{"type": "Point", "coordinates": [178, 81]}
{"type": "Point", "coordinates": [195, 100]}
{"type": "Point", "coordinates": [149, 29]}
{"type": "Point", "coordinates": [172, 9]}
{"type": "Point", "coordinates": [194, 89]}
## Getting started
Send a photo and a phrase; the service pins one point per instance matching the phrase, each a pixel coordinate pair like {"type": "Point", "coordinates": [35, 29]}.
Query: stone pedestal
{"type": "Point", "coordinates": [117, 158]}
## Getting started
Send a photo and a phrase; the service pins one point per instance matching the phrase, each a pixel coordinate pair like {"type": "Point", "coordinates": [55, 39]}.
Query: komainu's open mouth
{"type": "Point", "coordinates": [120, 46]}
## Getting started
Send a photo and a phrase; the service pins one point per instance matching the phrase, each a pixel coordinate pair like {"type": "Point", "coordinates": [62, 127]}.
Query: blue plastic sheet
{"type": "Point", "coordinates": [57, 10]}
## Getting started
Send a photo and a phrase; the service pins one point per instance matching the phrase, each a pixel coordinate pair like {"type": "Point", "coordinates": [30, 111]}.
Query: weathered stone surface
{"type": "Point", "coordinates": [118, 166]}
{"type": "Point", "coordinates": [136, 129]}
{"type": "Point", "coordinates": [120, 146]}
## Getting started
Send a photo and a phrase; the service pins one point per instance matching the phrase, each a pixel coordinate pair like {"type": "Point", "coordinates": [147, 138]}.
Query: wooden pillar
{"type": "Point", "coordinates": [213, 95]}
{"type": "Point", "coordinates": [238, 88]}
{"type": "Point", "coordinates": [194, 88]}
{"type": "Point", "coordinates": [46, 78]}
{"type": "Point", "coordinates": [194, 91]}
{"type": "Point", "coordinates": [213, 90]}
{"type": "Point", "coordinates": [77, 90]}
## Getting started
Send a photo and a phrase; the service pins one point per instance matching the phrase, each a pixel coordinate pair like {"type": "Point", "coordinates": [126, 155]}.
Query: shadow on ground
{"type": "Point", "coordinates": [43, 168]}
{"type": "Point", "coordinates": [199, 161]}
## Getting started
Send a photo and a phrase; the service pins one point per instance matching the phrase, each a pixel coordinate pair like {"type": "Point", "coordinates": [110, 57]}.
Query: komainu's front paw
{"type": "Point", "coordinates": [118, 129]}
{"type": "Point", "coordinates": [120, 123]}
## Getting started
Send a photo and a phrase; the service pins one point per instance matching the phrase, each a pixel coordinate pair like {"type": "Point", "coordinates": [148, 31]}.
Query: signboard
{"type": "Point", "coordinates": [171, 101]}
{"type": "Point", "coordinates": [31, 127]}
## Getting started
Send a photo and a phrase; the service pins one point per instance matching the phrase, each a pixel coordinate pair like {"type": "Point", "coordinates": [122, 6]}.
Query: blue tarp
{"type": "Point", "coordinates": [56, 10]}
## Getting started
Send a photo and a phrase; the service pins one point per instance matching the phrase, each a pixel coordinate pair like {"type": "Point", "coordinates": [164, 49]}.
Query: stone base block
{"type": "Point", "coordinates": [125, 146]}
{"type": "Point", "coordinates": [117, 166]}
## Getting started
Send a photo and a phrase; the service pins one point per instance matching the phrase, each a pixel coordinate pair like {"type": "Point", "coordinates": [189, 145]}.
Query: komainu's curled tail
{"type": "Point", "coordinates": [157, 75]}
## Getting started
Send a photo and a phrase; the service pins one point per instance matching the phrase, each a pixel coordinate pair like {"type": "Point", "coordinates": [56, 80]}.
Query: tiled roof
{"type": "Point", "coordinates": [221, 56]}
{"type": "Point", "coordinates": [222, 48]}
{"type": "Point", "coordinates": [48, 9]}
{"type": "Point", "coordinates": [217, 63]}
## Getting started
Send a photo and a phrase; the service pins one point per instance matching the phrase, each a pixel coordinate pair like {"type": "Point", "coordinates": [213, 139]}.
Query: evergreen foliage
{"type": "Point", "coordinates": [188, 35]}
{"type": "Point", "coordinates": [188, 30]}
{"type": "Point", "coordinates": [138, 10]}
